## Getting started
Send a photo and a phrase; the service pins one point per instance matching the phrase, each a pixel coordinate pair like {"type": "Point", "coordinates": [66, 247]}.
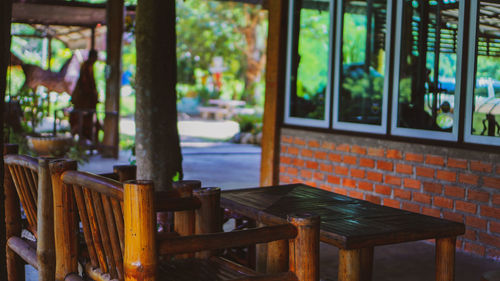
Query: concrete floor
{"type": "Point", "coordinates": [233, 166]}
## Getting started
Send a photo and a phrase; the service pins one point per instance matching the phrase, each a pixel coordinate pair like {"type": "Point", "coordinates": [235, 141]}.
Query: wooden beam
{"type": "Point", "coordinates": [115, 22]}
{"type": "Point", "coordinates": [275, 75]}
{"type": "Point", "coordinates": [5, 18]}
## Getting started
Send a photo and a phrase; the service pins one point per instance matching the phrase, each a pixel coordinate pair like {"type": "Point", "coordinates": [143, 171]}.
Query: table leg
{"type": "Point", "coordinates": [277, 256]}
{"type": "Point", "coordinates": [445, 258]}
{"type": "Point", "coordinates": [366, 263]}
{"type": "Point", "coordinates": [350, 265]}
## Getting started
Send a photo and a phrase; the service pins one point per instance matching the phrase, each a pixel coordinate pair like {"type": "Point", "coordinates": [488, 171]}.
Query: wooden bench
{"type": "Point", "coordinates": [122, 243]}
{"type": "Point", "coordinates": [217, 112]}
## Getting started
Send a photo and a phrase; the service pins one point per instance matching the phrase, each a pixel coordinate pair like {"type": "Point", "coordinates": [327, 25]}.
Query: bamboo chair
{"type": "Point", "coordinates": [119, 229]}
{"type": "Point", "coordinates": [28, 185]}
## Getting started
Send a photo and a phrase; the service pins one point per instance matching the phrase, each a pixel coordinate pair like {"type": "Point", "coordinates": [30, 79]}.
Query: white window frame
{"type": "Point", "coordinates": [325, 123]}
{"type": "Point", "coordinates": [359, 127]}
{"type": "Point", "coordinates": [420, 133]}
{"type": "Point", "coordinates": [471, 82]}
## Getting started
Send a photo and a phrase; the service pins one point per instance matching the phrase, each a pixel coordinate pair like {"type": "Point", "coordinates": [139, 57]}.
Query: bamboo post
{"type": "Point", "coordinates": [304, 249]}
{"type": "Point", "coordinates": [140, 231]}
{"type": "Point", "coordinates": [65, 228]}
{"type": "Point", "coordinates": [349, 265]}
{"type": "Point", "coordinates": [15, 266]}
{"type": "Point", "coordinates": [184, 221]}
{"type": "Point", "coordinates": [125, 172]}
{"type": "Point", "coordinates": [445, 259]}
{"type": "Point", "coordinates": [277, 256]}
{"type": "Point", "coordinates": [45, 250]}
{"type": "Point", "coordinates": [207, 217]}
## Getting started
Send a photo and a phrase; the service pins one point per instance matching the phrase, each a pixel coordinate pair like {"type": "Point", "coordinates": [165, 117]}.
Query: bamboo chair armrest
{"type": "Point", "coordinates": [176, 204]}
{"type": "Point", "coordinates": [214, 241]}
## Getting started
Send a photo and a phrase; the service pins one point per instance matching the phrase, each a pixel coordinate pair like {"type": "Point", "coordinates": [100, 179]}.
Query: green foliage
{"type": "Point", "coordinates": [249, 123]}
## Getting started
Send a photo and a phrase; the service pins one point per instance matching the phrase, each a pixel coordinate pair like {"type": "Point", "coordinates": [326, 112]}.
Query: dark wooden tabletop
{"type": "Point", "coordinates": [346, 222]}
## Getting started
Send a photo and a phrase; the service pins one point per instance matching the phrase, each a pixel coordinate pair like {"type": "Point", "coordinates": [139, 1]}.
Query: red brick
{"type": "Point", "coordinates": [475, 222]}
{"type": "Point", "coordinates": [384, 165]}
{"type": "Point", "coordinates": [478, 195]}
{"type": "Point", "coordinates": [411, 207]}
{"type": "Point", "coordinates": [339, 170]}
{"type": "Point", "coordinates": [481, 166]}
{"type": "Point", "coordinates": [391, 203]}
{"type": "Point", "coordinates": [285, 179]}
{"type": "Point", "coordinates": [372, 198]}
{"type": "Point", "coordinates": [404, 169]}
{"type": "Point", "coordinates": [313, 143]}
{"type": "Point", "coordinates": [457, 163]}
{"type": "Point", "coordinates": [491, 182]}
{"type": "Point", "coordinates": [306, 152]}
{"type": "Point", "coordinates": [356, 194]}
{"type": "Point", "coordinates": [374, 176]}
{"type": "Point", "coordinates": [414, 157]}
{"type": "Point", "coordinates": [292, 171]}
{"type": "Point", "coordinates": [333, 179]}
{"type": "Point", "coordinates": [340, 191]}
{"type": "Point", "coordinates": [311, 183]}
{"type": "Point", "coordinates": [326, 187]}
{"type": "Point", "coordinates": [492, 240]}
{"type": "Point", "coordinates": [422, 198]}
{"type": "Point", "coordinates": [465, 207]}
{"type": "Point", "coordinates": [358, 149]}
{"type": "Point", "coordinates": [363, 185]}
{"type": "Point", "coordinates": [468, 178]}
{"type": "Point", "coordinates": [357, 173]}
{"type": "Point", "coordinates": [306, 174]}
{"type": "Point", "coordinates": [343, 147]}
{"type": "Point", "coordinates": [366, 162]}
{"type": "Point", "coordinates": [377, 152]}
{"type": "Point", "coordinates": [495, 227]}
{"type": "Point", "coordinates": [434, 160]}
{"type": "Point", "coordinates": [282, 169]}
{"type": "Point", "coordinates": [433, 187]}
{"type": "Point", "coordinates": [453, 216]}
{"type": "Point", "coordinates": [394, 154]}
{"type": "Point", "coordinates": [328, 145]}
{"type": "Point", "coordinates": [285, 160]}
{"type": "Point", "coordinates": [470, 234]}
{"type": "Point", "coordinates": [299, 141]}
{"type": "Point", "coordinates": [326, 167]}
{"type": "Point", "coordinates": [293, 151]}
{"type": "Point", "coordinates": [454, 191]}
{"type": "Point", "coordinates": [425, 172]}
{"type": "Point", "coordinates": [392, 180]}
{"type": "Point", "coordinates": [299, 162]}
{"type": "Point", "coordinates": [350, 159]}
{"type": "Point", "coordinates": [319, 176]}
{"type": "Point", "coordinates": [320, 155]}
{"type": "Point", "coordinates": [382, 189]}
{"type": "Point", "coordinates": [491, 212]}
{"type": "Point", "coordinates": [286, 139]}
{"type": "Point", "coordinates": [411, 183]}
{"type": "Point", "coordinates": [334, 157]}
{"type": "Point", "coordinates": [402, 194]}
{"type": "Point", "coordinates": [431, 212]}
{"type": "Point", "coordinates": [447, 175]}
{"type": "Point", "coordinates": [312, 165]}
{"type": "Point", "coordinates": [349, 183]}
{"type": "Point", "coordinates": [496, 199]}
{"type": "Point", "coordinates": [443, 202]}
{"type": "Point", "coordinates": [474, 248]}
{"type": "Point", "coordinates": [284, 148]}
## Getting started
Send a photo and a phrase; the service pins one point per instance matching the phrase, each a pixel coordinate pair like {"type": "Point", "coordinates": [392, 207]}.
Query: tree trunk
{"type": "Point", "coordinates": [157, 139]}
{"type": "Point", "coordinates": [5, 18]}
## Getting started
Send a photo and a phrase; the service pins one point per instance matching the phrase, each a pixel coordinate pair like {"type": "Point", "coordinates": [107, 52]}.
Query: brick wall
{"type": "Point", "coordinates": [455, 184]}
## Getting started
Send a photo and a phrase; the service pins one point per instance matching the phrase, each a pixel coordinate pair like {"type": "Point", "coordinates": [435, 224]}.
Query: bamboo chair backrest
{"type": "Point", "coordinates": [24, 174]}
{"type": "Point", "coordinates": [99, 201]}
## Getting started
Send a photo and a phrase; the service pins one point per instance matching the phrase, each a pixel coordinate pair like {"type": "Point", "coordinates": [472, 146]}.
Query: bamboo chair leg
{"type": "Point", "coordinates": [349, 265]}
{"type": "Point", "coordinates": [184, 221]}
{"type": "Point", "coordinates": [304, 249]}
{"type": "Point", "coordinates": [45, 249]}
{"type": "Point", "coordinates": [208, 218]}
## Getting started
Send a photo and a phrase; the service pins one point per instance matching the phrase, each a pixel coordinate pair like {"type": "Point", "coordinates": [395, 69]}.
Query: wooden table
{"type": "Point", "coordinates": [354, 226]}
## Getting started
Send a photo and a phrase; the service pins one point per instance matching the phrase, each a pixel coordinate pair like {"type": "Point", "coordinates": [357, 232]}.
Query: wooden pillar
{"type": "Point", "coordinates": [157, 139]}
{"type": "Point", "coordinates": [273, 106]}
{"type": "Point", "coordinates": [115, 11]}
{"type": "Point", "coordinates": [5, 18]}
{"type": "Point", "coordinates": [304, 249]}
{"type": "Point", "coordinates": [445, 259]}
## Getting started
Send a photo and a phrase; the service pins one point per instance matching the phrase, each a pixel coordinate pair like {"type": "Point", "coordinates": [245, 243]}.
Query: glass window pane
{"type": "Point", "coordinates": [486, 99]}
{"type": "Point", "coordinates": [310, 59]}
{"type": "Point", "coordinates": [428, 61]}
{"type": "Point", "coordinates": [363, 61]}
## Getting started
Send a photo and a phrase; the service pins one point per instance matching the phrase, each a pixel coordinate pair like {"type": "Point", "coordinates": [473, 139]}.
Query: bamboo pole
{"type": "Point", "coordinates": [445, 259]}
{"type": "Point", "coordinates": [140, 231]}
{"type": "Point", "coordinates": [304, 249]}
{"type": "Point", "coordinates": [207, 217]}
{"type": "Point", "coordinates": [184, 221]}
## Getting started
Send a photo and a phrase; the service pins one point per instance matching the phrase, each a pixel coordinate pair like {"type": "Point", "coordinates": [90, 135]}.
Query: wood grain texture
{"type": "Point", "coordinates": [208, 216]}
{"type": "Point", "coordinates": [277, 256]}
{"type": "Point", "coordinates": [184, 220]}
{"type": "Point", "coordinates": [304, 249]}
{"type": "Point", "coordinates": [349, 265]}
{"type": "Point", "coordinates": [445, 259]}
{"type": "Point", "coordinates": [125, 172]}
